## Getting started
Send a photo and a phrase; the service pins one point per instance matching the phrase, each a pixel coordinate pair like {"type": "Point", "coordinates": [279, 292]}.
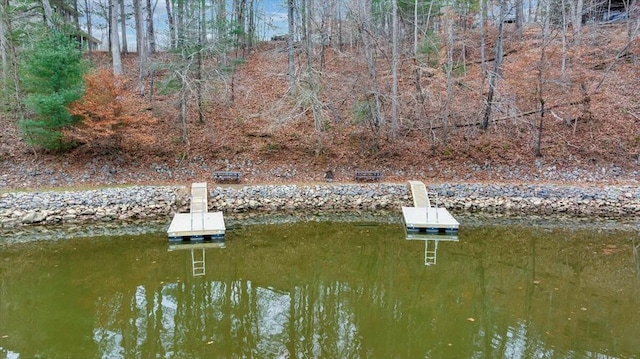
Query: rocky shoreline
{"type": "Point", "coordinates": [125, 204]}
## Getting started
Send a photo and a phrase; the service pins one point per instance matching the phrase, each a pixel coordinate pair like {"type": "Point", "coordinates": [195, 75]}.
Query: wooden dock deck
{"type": "Point", "coordinates": [198, 224]}
{"type": "Point", "coordinates": [424, 217]}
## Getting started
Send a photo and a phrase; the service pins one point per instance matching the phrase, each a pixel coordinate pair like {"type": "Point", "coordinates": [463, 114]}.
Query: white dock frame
{"type": "Point", "coordinates": [424, 217]}
{"type": "Point", "coordinates": [199, 223]}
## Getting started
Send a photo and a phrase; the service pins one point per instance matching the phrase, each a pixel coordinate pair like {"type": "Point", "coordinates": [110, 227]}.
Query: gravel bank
{"type": "Point", "coordinates": [160, 202]}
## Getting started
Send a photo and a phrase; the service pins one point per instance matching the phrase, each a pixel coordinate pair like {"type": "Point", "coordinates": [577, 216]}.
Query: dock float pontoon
{"type": "Point", "coordinates": [424, 216]}
{"type": "Point", "coordinates": [198, 224]}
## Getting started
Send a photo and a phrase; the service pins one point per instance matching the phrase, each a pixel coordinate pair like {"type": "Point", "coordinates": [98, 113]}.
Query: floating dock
{"type": "Point", "coordinates": [424, 216]}
{"type": "Point", "coordinates": [198, 224]}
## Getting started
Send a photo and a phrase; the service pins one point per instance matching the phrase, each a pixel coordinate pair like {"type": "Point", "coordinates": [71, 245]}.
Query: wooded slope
{"type": "Point", "coordinates": [591, 119]}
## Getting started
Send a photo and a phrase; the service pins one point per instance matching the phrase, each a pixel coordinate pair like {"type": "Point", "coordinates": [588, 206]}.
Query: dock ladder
{"type": "Point", "coordinates": [430, 253]}
{"type": "Point", "coordinates": [198, 264]}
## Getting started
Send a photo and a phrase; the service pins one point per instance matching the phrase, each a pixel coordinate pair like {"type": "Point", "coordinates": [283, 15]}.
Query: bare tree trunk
{"type": "Point", "coordinates": [141, 45]}
{"type": "Point", "coordinates": [538, 150]}
{"type": "Point", "coordinates": [76, 18]}
{"type": "Point", "coordinates": [565, 29]}
{"type": "Point", "coordinates": [151, 34]}
{"type": "Point", "coordinates": [578, 21]}
{"type": "Point", "coordinates": [519, 18]}
{"type": "Point", "coordinates": [302, 19]}
{"type": "Point", "coordinates": [497, 62]}
{"type": "Point", "coordinates": [339, 14]}
{"type": "Point", "coordinates": [632, 26]}
{"type": "Point", "coordinates": [365, 22]}
{"type": "Point", "coordinates": [199, 63]}
{"type": "Point", "coordinates": [540, 84]}
{"type": "Point", "coordinates": [291, 59]}
{"type": "Point", "coordinates": [88, 7]}
{"type": "Point", "coordinates": [139, 24]}
{"type": "Point", "coordinates": [221, 16]}
{"type": "Point", "coordinates": [183, 110]}
{"type": "Point", "coordinates": [48, 13]}
{"type": "Point", "coordinates": [251, 27]}
{"type": "Point", "coordinates": [308, 35]}
{"type": "Point", "coordinates": [123, 26]}
{"type": "Point", "coordinates": [172, 26]}
{"type": "Point", "coordinates": [415, 28]}
{"type": "Point", "coordinates": [116, 58]}
{"type": "Point", "coordinates": [312, 82]}
{"type": "Point", "coordinates": [449, 70]}
{"type": "Point", "coordinates": [10, 67]}
{"type": "Point", "coordinates": [179, 23]}
{"type": "Point", "coordinates": [3, 41]}
{"type": "Point", "coordinates": [577, 9]}
{"type": "Point", "coordinates": [4, 56]}
{"type": "Point", "coordinates": [241, 24]}
{"type": "Point", "coordinates": [417, 69]}
{"type": "Point", "coordinates": [394, 69]}
{"type": "Point", "coordinates": [324, 16]}
{"type": "Point", "coordinates": [483, 39]}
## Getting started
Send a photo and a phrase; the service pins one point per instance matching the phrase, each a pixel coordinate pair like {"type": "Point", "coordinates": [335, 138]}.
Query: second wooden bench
{"type": "Point", "coordinates": [226, 176]}
{"type": "Point", "coordinates": [368, 176]}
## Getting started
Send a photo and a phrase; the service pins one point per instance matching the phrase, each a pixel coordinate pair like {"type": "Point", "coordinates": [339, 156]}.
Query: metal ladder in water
{"type": "Point", "coordinates": [430, 253]}
{"type": "Point", "coordinates": [198, 265]}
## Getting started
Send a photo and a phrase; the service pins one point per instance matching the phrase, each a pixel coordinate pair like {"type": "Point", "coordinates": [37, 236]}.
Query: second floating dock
{"type": "Point", "coordinates": [425, 217]}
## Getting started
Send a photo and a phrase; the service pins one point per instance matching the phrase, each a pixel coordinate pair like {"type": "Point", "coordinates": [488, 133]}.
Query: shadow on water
{"type": "Point", "coordinates": [317, 286]}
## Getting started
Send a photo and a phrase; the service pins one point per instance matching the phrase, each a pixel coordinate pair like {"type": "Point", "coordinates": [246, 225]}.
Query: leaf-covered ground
{"type": "Point", "coordinates": [590, 133]}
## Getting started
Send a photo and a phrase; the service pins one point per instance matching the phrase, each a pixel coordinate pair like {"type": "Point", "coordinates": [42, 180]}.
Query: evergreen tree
{"type": "Point", "coordinates": [52, 79]}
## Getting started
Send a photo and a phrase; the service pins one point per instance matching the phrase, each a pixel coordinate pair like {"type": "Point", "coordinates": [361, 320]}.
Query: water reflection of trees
{"type": "Point", "coordinates": [218, 318]}
{"type": "Point", "coordinates": [368, 296]}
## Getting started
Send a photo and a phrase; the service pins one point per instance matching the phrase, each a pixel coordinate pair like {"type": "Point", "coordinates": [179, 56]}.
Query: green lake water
{"type": "Point", "coordinates": [320, 289]}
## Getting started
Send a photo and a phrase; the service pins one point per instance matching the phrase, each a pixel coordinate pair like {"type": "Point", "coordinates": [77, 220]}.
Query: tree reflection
{"type": "Point", "coordinates": [207, 318]}
{"type": "Point", "coordinates": [325, 291]}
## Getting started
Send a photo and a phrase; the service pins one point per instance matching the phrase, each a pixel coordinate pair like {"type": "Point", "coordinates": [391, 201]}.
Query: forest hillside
{"type": "Point", "coordinates": [560, 111]}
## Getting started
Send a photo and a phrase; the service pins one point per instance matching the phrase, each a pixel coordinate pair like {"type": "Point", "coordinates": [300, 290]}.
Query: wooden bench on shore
{"type": "Point", "coordinates": [368, 176]}
{"type": "Point", "coordinates": [226, 176]}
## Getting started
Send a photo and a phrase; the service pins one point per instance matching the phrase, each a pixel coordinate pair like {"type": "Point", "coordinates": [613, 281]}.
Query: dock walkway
{"type": "Point", "coordinates": [419, 194]}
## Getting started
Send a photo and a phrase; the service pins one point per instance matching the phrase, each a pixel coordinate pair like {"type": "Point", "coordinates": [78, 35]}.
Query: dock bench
{"type": "Point", "coordinates": [368, 176]}
{"type": "Point", "coordinates": [226, 176]}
